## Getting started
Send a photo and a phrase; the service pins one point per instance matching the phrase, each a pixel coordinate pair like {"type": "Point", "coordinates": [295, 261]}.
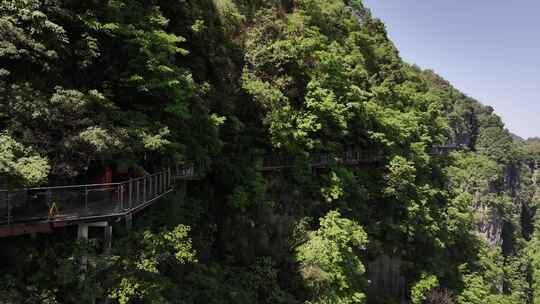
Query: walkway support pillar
{"type": "Point", "coordinates": [107, 245]}
{"type": "Point", "coordinates": [107, 234]}
{"type": "Point", "coordinates": [129, 221]}
{"type": "Point", "coordinates": [183, 190]}
{"type": "Point", "coordinates": [121, 195]}
{"type": "Point", "coordinates": [82, 235]}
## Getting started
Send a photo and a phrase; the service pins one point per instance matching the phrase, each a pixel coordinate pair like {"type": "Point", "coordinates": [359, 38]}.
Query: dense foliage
{"type": "Point", "coordinates": [133, 84]}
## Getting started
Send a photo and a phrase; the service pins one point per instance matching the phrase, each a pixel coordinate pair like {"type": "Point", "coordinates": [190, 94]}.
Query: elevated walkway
{"type": "Point", "coordinates": [352, 158]}
{"type": "Point", "coordinates": [35, 210]}
{"type": "Point", "coordinates": [277, 162]}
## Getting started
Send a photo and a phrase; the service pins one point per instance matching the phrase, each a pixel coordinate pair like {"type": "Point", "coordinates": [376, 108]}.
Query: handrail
{"type": "Point", "coordinates": [76, 202]}
{"type": "Point", "coordinates": [63, 187]}
{"type": "Point", "coordinates": [350, 157]}
{"type": "Point", "coordinates": [444, 150]}
{"type": "Point", "coordinates": [84, 185]}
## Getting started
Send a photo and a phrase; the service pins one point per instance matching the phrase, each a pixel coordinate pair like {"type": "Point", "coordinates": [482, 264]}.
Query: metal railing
{"type": "Point", "coordinates": [444, 150]}
{"type": "Point", "coordinates": [347, 158]}
{"type": "Point", "coordinates": [91, 200]}
{"type": "Point", "coordinates": [320, 160]}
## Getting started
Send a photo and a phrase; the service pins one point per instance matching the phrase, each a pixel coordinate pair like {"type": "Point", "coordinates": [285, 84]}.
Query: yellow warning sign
{"type": "Point", "coordinates": [53, 210]}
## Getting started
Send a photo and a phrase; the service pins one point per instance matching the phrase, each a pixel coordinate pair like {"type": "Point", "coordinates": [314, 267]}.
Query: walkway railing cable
{"type": "Point", "coordinates": [279, 161]}
{"type": "Point", "coordinates": [72, 202]}
{"type": "Point", "coordinates": [321, 160]}
{"type": "Point", "coordinates": [75, 202]}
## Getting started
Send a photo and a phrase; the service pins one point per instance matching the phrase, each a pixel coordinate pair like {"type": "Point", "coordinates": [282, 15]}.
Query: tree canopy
{"type": "Point", "coordinates": [132, 84]}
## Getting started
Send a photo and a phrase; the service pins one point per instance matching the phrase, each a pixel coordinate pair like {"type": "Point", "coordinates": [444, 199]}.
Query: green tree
{"type": "Point", "coordinates": [329, 263]}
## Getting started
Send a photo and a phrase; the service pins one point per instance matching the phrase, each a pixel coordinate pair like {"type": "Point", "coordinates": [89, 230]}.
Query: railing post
{"type": "Point", "coordinates": [149, 192]}
{"type": "Point", "coordinates": [144, 189]}
{"type": "Point", "coordinates": [121, 196]}
{"type": "Point", "coordinates": [130, 193]}
{"type": "Point", "coordinates": [50, 202]}
{"type": "Point", "coordinates": [156, 189]}
{"type": "Point", "coordinates": [138, 199]}
{"type": "Point", "coordinates": [151, 187]}
{"type": "Point", "coordinates": [163, 181]}
{"type": "Point", "coordinates": [86, 197]}
{"type": "Point", "coordinates": [159, 182]}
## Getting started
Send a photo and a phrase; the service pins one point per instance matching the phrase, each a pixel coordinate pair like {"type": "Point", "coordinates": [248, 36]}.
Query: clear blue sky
{"type": "Point", "coordinates": [488, 49]}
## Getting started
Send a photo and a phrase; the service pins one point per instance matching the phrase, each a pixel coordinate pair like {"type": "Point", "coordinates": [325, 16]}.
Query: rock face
{"type": "Point", "coordinates": [516, 195]}
{"type": "Point", "coordinates": [386, 279]}
{"type": "Point", "coordinates": [489, 224]}
{"type": "Point", "coordinates": [490, 220]}
{"type": "Point", "coordinates": [529, 207]}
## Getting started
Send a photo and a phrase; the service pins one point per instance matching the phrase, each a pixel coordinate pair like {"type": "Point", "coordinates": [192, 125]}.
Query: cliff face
{"type": "Point", "coordinates": [500, 181]}
{"type": "Point", "coordinates": [132, 83]}
{"type": "Point", "coordinates": [491, 218]}
{"type": "Point", "coordinates": [386, 280]}
{"type": "Point", "coordinates": [489, 224]}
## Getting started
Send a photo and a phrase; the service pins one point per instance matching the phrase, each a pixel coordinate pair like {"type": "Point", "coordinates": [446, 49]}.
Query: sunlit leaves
{"type": "Point", "coordinates": [154, 142]}
{"type": "Point", "coordinates": [20, 163]}
{"type": "Point", "coordinates": [139, 272]}
{"type": "Point", "coordinates": [421, 288]}
{"type": "Point", "coordinates": [28, 34]}
{"type": "Point", "coordinates": [329, 263]}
